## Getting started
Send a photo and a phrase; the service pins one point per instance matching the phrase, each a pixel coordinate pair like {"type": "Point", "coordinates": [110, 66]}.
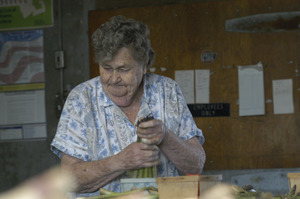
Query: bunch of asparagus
{"type": "Point", "coordinates": [149, 172]}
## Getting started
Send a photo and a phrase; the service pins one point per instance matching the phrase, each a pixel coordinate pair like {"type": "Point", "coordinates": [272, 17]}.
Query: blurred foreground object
{"type": "Point", "coordinates": [226, 191]}
{"type": "Point", "coordinates": [50, 185]}
{"type": "Point", "coordinates": [219, 191]}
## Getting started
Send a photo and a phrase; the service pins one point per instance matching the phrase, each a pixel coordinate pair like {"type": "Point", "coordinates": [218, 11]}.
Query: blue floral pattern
{"type": "Point", "coordinates": [92, 127]}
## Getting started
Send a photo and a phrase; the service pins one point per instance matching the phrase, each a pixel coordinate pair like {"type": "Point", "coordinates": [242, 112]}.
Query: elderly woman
{"type": "Point", "coordinates": [98, 129]}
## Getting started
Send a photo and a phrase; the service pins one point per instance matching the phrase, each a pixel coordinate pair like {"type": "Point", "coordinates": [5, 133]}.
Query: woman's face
{"type": "Point", "coordinates": [121, 78]}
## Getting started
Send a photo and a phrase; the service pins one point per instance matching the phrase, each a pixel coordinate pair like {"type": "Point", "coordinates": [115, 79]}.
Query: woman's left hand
{"type": "Point", "coordinates": [152, 132]}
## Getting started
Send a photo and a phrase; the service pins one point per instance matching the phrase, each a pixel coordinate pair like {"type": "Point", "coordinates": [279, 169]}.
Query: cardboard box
{"type": "Point", "coordinates": [294, 179]}
{"type": "Point", "coordinates": [185, 186]}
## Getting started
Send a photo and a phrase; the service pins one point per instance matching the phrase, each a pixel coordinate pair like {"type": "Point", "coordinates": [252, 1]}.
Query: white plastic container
{"type": "Point", "coordinates": [129, 184]}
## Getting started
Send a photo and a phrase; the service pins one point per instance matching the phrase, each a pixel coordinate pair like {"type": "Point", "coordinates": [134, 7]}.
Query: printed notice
{"type": "Point", "coordinates": [251, 90]}
{"type": "Point", "coordinates": [185, 80]}
{"type": "Point", "coordinates": [20, 14]}
{"type": "Point", "coordinates": [283, 96]}
{"type": "Point", "coordinates": [23, 107]}
{"type": "Point", "coordinates": [202, 86]}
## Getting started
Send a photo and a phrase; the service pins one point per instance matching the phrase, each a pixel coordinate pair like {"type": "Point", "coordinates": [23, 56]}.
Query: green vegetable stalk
{"type": "Point", "coordinates": [149, 172]}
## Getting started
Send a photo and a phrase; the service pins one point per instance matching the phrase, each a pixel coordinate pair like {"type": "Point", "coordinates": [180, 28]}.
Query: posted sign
{"type": "Point", "coordinates": [30, 14]}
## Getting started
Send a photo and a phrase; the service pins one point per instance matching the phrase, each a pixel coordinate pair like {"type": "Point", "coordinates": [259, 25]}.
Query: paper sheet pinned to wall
{"type": "Point", "coordinates": [185, 80]}
{"type": "Point", "coordinates": [251, 90]}
{"type": "Point", "coordinates": [25, 107]}
{"type": "Point", "coordinates": [283, 96]}
{"type": "Point", "coordinates": [202, 85]}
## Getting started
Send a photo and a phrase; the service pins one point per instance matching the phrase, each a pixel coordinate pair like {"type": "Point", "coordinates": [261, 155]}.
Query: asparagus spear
{"type": "Point", "coordinates": [148, 172]}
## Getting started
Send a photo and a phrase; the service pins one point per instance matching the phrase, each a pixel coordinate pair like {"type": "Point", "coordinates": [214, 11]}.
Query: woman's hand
{"type": "Point", "coordinates": [139, 155]}
{"type": "Point", "coordinates": [152, 132]}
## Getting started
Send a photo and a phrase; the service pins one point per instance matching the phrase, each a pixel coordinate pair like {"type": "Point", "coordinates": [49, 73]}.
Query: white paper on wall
{"type": "Point", "coordinates": [22, 107]}
{"type": "Point", "coordinates": [283, 96]}
{"type": "Point", "coordinates": [251, 90]}
{"type": "Point", "coordinates": [185, 80]}
{"type": "Point", "coordinates": [202, 85]}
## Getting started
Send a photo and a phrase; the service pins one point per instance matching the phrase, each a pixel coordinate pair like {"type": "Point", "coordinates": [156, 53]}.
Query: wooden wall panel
{"type": "Point", "coordinates": [181, 32]}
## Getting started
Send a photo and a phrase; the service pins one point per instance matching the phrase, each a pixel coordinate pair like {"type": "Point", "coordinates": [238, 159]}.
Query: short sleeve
{"type": "Point", "coordinates": [179, 115]}
{"type": "Point", "coordinates": [71, 135]}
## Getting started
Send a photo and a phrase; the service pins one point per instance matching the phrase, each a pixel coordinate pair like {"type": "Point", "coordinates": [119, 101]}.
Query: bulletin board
{"type": "Point", "coordinates": [180, 33]}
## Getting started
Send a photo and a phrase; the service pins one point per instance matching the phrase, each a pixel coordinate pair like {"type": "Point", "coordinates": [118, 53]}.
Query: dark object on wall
{"type": "Point", "coordinates": [268, 22]}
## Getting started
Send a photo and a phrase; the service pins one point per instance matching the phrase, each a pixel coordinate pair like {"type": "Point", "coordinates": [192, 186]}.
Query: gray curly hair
{"type": "Point", "coordinates": [120, 32]}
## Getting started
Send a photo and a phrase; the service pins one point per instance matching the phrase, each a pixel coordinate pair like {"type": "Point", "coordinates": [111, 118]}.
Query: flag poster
{"type": "Point", "coordinates": [21, 57]}
{"type": "Point", "coordinates": [22, 85]}
{"type": "Point", "coordinates": [29, 14]}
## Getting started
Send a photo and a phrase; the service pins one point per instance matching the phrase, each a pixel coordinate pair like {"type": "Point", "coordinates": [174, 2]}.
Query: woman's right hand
{"type": "Point", "coordinates": [139, 155]}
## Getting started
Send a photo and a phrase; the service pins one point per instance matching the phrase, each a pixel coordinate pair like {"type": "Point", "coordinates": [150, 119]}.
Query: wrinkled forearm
{"type": "Point", "coordinates": [90, 176]}
{"type": "Point", "coordinates": [188, 156]}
